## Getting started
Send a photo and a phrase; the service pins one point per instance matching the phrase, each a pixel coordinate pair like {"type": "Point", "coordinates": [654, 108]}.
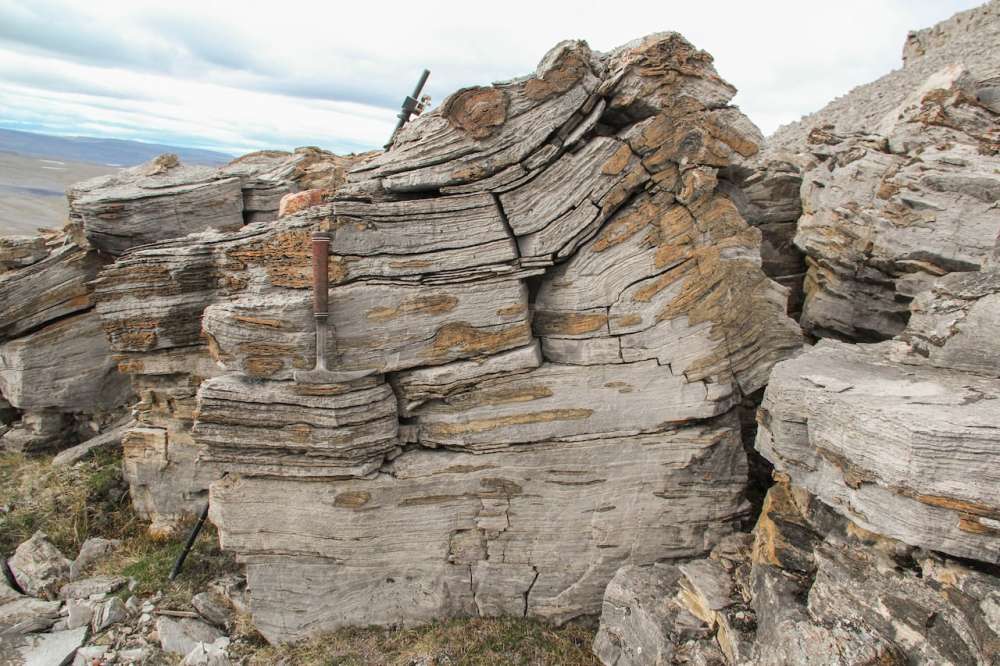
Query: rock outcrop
{"type": "Point", "coordinates": [878, 542]}
{"type": "Point", "coordinates": [561, 307]}
{"type": "Point", "coordinates": [56, 370]}
{"type": "Point", "coordinates": [899, 178]}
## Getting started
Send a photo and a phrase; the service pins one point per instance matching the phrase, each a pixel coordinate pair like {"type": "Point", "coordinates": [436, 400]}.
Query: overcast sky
{"type": "Point", "coordinates": [246, 75]}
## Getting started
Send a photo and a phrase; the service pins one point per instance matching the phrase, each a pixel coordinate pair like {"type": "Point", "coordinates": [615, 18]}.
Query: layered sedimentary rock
{"type": "Point", "coordinates": [164, 199]}
{"type": "Point", "coordinates": [152, 300]}
{"type": "Point", "coordinates": [809, 587]}
{"type": "Point", "coordinates": [560, 307]}
{"type": "Point", "coordinates": [905, 451]}
{"type": "Point", "coordinates": [899, 178]}
{"type": "Point", "coordinates": [55, 364]}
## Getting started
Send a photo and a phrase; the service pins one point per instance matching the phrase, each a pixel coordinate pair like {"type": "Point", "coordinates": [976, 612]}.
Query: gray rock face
{"type": "Point", "coordinates": [155, 201]}
{"type": "Point", "coordinates": [878, 226]}
{"type": "Point", "coordinates": [65, 365]}
{"type": "Point", "coordinates": [57, 647]}
{"type": "Point", "coordinates": [901, 450]}
{"type": "Point", "coordinates": [954, 323]}
{"type": "Point", "coordinates": [24, 615]}
{"type": "Point", "coordinates": [151, 303]}
{"type": "Point", "coordinates": [809, 587]}
{"type": "Point", "coordinates": [441, 534]}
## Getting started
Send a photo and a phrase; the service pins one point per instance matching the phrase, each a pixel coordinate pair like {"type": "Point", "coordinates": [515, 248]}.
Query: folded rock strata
{"type": "Point", "coordinates": [561, 305]}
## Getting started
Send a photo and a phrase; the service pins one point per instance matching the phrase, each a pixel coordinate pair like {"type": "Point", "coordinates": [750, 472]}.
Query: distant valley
{"type": "Point", "coordinates": [36, 169]}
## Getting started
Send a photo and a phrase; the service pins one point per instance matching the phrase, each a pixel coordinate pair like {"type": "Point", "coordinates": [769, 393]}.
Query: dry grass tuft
{"type": "Point", "coordinates": [89, 499]}
{"type": "Point", "coordinates": [67, 503]}
{"type": "Point", "coordinates": [466, 642]}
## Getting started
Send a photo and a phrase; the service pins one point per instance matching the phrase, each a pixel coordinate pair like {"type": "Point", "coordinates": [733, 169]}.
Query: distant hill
{"type": "Point", "coordinates": [115, 152]}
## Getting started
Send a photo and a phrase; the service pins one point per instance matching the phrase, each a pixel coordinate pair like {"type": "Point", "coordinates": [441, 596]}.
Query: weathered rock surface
{"type": "Point", "coordinates": [57, 647]}
{"type": "Point", "coordinates": [898, 180]}
{"type": "Point", "coordinates": [810, 587]}
{"type": "Point", "coordinates": [905, 451]}
{"type": "Point", "coordinates": [47, 290]}
{"type": "Point", "coordinates": [954, 323]}
{"type": "Point", "coordinates": [444, 482]}
{"type": "Point", "coordinates": [463, 533]}
{"type": "Point", "coordinates": [66, 365]}
{"type": "Point", "coordinates": [181, 636]}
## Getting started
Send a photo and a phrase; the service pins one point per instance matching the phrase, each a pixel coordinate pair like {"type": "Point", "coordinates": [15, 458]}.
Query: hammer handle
{"type": "Point", "coordinates": [320, 266]}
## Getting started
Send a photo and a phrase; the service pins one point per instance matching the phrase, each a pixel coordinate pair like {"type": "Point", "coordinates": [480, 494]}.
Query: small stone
{"type": "Point", "coordinates": [180, 636]}
{"type": "Point", "coordinates": [81, 612]}
{"type": "Point", "coordinates": [209, 654]}
{"type": "Point", "coordinates": [92, 550]}
{"type": "Point", "coordinates": [133, 604]}
{"type": "Point", "coordinates": [214, 608]}
{"type": "Point", "coordinates": [95, 588]}
{"type": "Point", "coordinates": [139, 655]}
{"type": "Point", "coordinates": [293, 202]}
{"type": "Point", "coordinates": [38, 566]}
{"type": "Point", "coordinates": [109, 613]}
{"type": "Point", "coordinates": [88, 655]}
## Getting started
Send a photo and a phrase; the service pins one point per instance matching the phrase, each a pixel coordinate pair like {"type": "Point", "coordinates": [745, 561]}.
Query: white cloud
{"type": "Point", "coordinates": [240, 76]}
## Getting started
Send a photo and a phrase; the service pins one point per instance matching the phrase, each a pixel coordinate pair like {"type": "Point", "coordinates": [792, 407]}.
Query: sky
{"type": "Point", "coordinates": [249, 75]}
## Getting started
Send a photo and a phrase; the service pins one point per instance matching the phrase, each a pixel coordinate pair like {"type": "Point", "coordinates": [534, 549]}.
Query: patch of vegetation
{"type": "Point", "coordinates": [91, 499]}
{"type": "Point", "coordinates": [69, 504]}
{"type": "Point", "coordinates": [465, 642]}
{"type": "Point", "coordinates": [149, 560]}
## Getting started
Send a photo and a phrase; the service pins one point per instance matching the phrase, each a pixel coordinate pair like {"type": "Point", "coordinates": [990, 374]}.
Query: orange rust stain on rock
{"type": "Point", "coordinates": [972, 525]}
{"type": "Point", "coordinates": [485, 425]}
{"type": "Point", "coordinates": [506, 396]}
{"type": "Point", "coordinates": [569, 323]}
{"type": "Point", "coordinates": [465, 339]}
{"type": "Point", "coordinates": [962, 506]}
{"type": "Point", "coordinates": [477, 111]}
{"type": "Point", "coordinates": [257, 321]}
{"type": "Point", "coordinates": [299, 432]}
{"type": "Point", "coordinates": [624, 321]}
{"type": "Point", "coordinates": [617, 162]}
{"type": "Point", "coordinates": [513, 310]}
{"type": "Point", "coordinates": [558, 79]}
{"type": "Point", "coordinates": [352, 499]}
{"type": "Point", "coordinates": [625, 225]}
{"type": "Point", "coordinates": [286, 257]}
{"type": "Point", "coordinates": [436, 304]}
{"type": "Point", "coordinates": [130, 366]}
{"type": "Point", "coordinates": [256, 366]}
{"type": "Point", "coordinates": [620, 193]}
